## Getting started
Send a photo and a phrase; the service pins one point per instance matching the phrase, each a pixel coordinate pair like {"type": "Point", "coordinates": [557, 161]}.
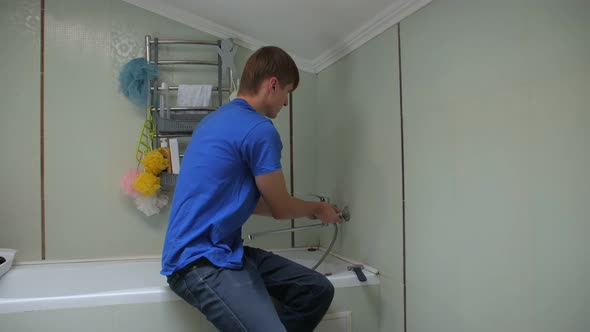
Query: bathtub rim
{"type": "Point", "coordinates": [152, 257]}
{"type": "Point", "coordinates": [152, 294]}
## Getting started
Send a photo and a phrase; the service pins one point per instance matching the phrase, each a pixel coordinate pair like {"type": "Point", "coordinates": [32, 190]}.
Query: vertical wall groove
{"type": "Point", "coordinates": [401, 114]}
{"type": "Point", "coordinates": [291, 176]}
{"type": "Point", "coordinates": [42, 129]}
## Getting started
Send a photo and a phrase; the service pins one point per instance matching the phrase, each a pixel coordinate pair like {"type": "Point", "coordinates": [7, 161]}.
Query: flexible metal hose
{"type": "Point", "coordinates": [329, 247]}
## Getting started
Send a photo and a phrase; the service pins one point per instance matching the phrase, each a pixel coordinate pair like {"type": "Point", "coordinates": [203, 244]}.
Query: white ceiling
{"type": "Point", "coordinates": [315, 32]}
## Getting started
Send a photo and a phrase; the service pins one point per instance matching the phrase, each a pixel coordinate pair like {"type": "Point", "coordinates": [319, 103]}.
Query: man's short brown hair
{"type": "Point", "coordinates": [266, 62]}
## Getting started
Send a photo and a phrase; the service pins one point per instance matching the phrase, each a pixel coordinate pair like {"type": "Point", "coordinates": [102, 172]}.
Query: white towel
{"type": "Point", "coordinates": [194, 95]}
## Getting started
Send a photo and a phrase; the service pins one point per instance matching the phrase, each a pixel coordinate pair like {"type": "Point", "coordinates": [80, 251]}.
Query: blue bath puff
{"type": "Point", "coordinates": [134, 78]}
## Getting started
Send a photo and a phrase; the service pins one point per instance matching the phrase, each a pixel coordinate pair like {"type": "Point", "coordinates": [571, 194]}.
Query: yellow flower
{"type": "Point", "coordinates": [147, 184]}
{"type": "Point", "coordinates": [154, 162]}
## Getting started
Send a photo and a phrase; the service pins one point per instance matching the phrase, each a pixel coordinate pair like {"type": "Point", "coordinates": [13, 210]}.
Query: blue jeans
{"type": "Point", "coordinates": [242, 300]}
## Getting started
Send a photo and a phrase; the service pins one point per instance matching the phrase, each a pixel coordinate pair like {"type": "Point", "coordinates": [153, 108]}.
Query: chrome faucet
{"type": "Point", "coordinates": [344, 215]}
{"type": "Point", "coordinates": [320, 197]}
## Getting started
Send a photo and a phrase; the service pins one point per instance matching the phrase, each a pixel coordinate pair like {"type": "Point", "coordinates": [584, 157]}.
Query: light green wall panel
{"type": "Point", "coordinates": [92, 129]}
{"type": "Point", "coordinates": [305, 151]}
{"type": "Point", "coordinates": [359, 159]}
{"type": "Point", "coordinates": [359, 150]}
{"type": "Point", "coordinates": [305, 142]}
{"type": "Point", "coordinates": [496, 117]}
{"type": "Point", "coordinates": [391, 305]}
{"type": "Point", "coordinates": [20, 170]}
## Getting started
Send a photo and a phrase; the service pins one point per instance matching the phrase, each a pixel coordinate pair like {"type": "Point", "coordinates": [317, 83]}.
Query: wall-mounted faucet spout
{"type": "Point", "coordinates": [344, 215]}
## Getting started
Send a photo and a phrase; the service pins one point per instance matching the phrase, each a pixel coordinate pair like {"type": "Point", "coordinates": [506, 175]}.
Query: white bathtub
{"type": "Point", "coordinates": [75, 284]}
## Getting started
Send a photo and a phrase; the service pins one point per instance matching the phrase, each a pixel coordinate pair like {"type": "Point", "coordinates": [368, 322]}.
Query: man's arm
{"type": "Point", "coordinates": [277, 202]}
{"type": "Point", "coordinates": [262, 208]}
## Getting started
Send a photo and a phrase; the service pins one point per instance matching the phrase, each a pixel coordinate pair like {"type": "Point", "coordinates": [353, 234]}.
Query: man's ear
{"type": "Point", "coordinates": [273, 83]}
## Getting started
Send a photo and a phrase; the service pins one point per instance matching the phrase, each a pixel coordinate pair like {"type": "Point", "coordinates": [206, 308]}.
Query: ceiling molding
{"type": "Point", "coordinates": [383, 21]}
{"type": "Point", "coordinates": [207, 26]}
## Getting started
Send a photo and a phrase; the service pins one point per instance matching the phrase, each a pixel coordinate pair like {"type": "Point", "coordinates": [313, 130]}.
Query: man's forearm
{"type": "Point", "coordinates": [298, 209]}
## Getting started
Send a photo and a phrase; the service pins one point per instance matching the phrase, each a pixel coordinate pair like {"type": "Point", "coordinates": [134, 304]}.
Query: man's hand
{"type": "Point", "coordinates": [327, 213]}
{"type": "Point", "coordinates": [277, 202]}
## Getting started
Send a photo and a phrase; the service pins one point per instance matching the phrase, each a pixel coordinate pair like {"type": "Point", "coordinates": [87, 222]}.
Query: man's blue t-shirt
{"type": "Point", "coordinates": [215, 190]}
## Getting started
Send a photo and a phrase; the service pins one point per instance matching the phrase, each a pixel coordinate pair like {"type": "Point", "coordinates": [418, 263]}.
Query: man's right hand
{"type": "Point", "coordinates": [327, 213]}
{"type": "Point", "coordinates": [277, 202]}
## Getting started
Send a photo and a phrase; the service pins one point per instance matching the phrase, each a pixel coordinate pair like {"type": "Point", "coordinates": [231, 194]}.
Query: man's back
{"type": "Point", "coordinates": [216, 192]}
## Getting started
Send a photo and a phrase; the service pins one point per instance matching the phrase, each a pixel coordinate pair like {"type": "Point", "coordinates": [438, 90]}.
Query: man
{"type": "Point", "coordinates": [232, 169]}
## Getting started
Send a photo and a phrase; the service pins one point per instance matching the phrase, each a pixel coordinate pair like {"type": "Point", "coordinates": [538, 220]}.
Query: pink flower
{"type": "Point", "coordinates": [127, 182]}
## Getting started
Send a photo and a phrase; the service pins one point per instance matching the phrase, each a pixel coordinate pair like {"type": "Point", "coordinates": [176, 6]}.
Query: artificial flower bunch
{"type": "Point", "coordinates": [144, 186]}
